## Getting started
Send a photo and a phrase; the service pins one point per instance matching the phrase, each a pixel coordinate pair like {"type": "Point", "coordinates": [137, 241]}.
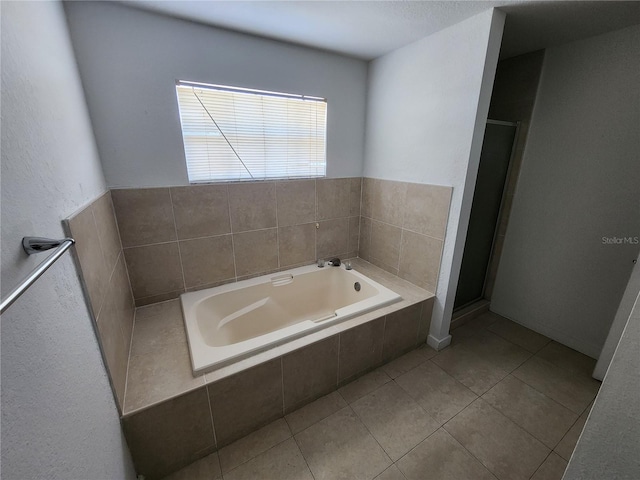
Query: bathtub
{"type": "Point", "coordinates": [230, 322]}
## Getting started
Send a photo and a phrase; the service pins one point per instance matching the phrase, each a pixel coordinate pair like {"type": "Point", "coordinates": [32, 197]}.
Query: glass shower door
{"type": "Point", "coordinates": [485, 210]}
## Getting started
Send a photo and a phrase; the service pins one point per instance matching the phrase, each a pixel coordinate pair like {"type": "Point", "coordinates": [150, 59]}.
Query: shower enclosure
{"type": "Point", "coordinates": [495, 158]}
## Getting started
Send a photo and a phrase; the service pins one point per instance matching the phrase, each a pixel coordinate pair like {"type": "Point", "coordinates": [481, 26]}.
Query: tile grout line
{"type": "Point", "coordinates": [175, 229]}
{"type": "Point", "coordinates": [275, 194]}
{"type": "Point", "coordinates": [282, 386]}
{"type": "Point", "coordinates": [124, 258]}
{"type": "Point", "coordinates": [213, 427]}
{"type": "Point", "coordinates": [233, 247]}
{"type": "Point", "coordinates": [301, 452]}
{"type": "Point", "coordinates": [403, 228]}
{"type": "Point", "coordinates": [133, 329]}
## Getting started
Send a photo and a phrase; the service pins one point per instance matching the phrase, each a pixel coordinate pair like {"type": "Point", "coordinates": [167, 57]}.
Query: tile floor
{"type": "Point", "coordinates": [501, 402]}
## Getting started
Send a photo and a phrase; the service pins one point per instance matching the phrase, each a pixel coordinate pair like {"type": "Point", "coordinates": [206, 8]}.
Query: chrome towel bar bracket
{"type": "Point", "coordinates": [33, 245]}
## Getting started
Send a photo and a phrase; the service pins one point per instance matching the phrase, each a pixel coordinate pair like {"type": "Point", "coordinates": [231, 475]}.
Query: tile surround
{"type": "Point", "coordinates": [397, 226]}
{"type": "Point", "coordinates": [101, 264]}
{"type": "Point", "coordinates": [402, 228]}
{"type": "Point", "coordinates": [204, 235]}
{"type": "Point", "coordinates": [285, 383]}
{"type": "Point", "coordinates": [186, 238]}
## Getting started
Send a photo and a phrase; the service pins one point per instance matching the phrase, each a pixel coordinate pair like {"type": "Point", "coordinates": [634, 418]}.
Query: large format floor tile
{"type": "Point", "coordinates": [568, 443]}
{"type": "Point", "coordinates": [396, 421]}
{"type": "Point", "coordinates": [501, 445]}
{"type": "Point", "coordinates": [573, 391]}
{"type": "Point", "coordinates": [207, 468]}
{"type": "Point", "coordinates": [438, 393]}
{"type": "Point", "coordinates": [522, 336]}
{"type": "Point", "coordinates": [364, 385]}
{"type": "Point", "coordinates": [441, 457]}
{"type": "Point", "coordinates": [282, 462]}
{"type": "Point", "coordinates": [542, 417]}
{"type": "Point", "coordinates": [408, 361]}
{"type": "Point", "coordinates": [416, 410]}
{"type": "Point", "coordinates": [315, 411]}
{"type": "Point", "coordinates": [340, 447]}
{"type": "Point", "coordinates": [253, 444]}
{"type": "Point", "coordinates": [391, 473]}
{"type": "Point", "coordinates": [552, 469]}
{"type": "Point", "coordinates": [473, 371]}
{"type": "Point", "coordinates": [496, 350]}
{"type": "Point", "coordinates": [567, 358]}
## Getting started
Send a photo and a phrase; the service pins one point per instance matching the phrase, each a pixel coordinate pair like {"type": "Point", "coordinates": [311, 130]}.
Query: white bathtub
{"type": "Point", "coordinates": [233, 321]}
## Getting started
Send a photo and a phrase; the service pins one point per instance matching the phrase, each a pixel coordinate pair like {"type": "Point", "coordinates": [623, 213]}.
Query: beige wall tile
{"type": "Point", "coordinates": [332, 237]}
{"type": "Point", "coordinates": [354, 234]}
{"type": "Point", "coordinates": [297, 244]}
{"type": "Point", "coordinates": [296, 202]}
{"type": "Point", "coordinates": [252, 205]}
{"type": "Point", "coordinates": [401, 332]}
{"type": "Point", "coordinates": [356, 196]}
{"type": "Point", "coordinates": [95, 271]}
{"type": "Point", "coordinates": [388, 201]}
{"type": "Point", "coordinates": [121, 296]}
{"type": "Point", "coordinates": [170, 435]}
{"type": "Point", "coordinates": [364, 247]}
{"type": "Point", "coordinates": [385, 245]}
{"type": "Point", "coordinates": [256, 251]}
{"type": "Point", "coordinates": [114, 346]}
{"type": "Point", "coordinates": [366, 205]}
{"type": "Point", "coordinates": [420, 260]}
{"type": "Point", "coordinates": [201, 210]}
{"type": "Point", "coordinates": [105, 219]}
{"type": "Point", "coordinates": [427, 209]}
{"type": "Point", "coordinates": [309, 373]}
{"type": "Point", "coordinates": [160, 374]}
{"type": "Point", "coordinates": [207, 260]}
{"type": "Point", "coordinates": [144, 215]}
{"type": "Point", "coordinates": [425, 320]}
{"type": "Point", "coordinates": [360, 349]}
{"type": "Point", "coordinates": [246, 401]}
{"type": "Point", "coordinates": [154, 269]}
{"type": "Point", "coordinates": [334, 196]}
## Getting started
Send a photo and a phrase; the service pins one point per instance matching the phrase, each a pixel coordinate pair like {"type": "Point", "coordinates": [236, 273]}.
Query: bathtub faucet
{"type": "Point", "coordinates": [334, 262]}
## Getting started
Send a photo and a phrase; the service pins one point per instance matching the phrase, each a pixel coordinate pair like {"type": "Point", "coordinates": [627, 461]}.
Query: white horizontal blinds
{"type": "Point", "coordinates": [267, 135]}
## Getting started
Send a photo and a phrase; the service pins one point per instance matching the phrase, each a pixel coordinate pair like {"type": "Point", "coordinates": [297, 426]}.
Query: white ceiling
{"type": "Point", "coordinates": [368, 29]}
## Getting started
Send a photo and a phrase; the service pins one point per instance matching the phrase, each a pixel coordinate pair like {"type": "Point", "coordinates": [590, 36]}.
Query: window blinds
{"type": "Point", "coordinates": [237, 134]}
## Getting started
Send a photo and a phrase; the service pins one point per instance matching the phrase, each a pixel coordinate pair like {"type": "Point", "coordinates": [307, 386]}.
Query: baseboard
{"type": "Point", "coordinates": [438, 344]}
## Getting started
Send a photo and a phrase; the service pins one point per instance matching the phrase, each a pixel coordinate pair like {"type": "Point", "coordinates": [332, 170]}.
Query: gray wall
{"type": "Point", "coordinates": [578, 183]}
{"type": "Point", "coordinates": [426, 112]}
{"type": "Point", "coordinates": [619, 322]}
{"type": "Point", "coordinates": [608, 445]}
{"type": "Point", "coordinates": [59, 419]}
{"type": "Point", "coordinates": [129, 61]}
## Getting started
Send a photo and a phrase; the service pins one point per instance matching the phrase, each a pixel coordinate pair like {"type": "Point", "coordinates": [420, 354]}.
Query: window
{"type": "Point", "coordinates": [232, 133]}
